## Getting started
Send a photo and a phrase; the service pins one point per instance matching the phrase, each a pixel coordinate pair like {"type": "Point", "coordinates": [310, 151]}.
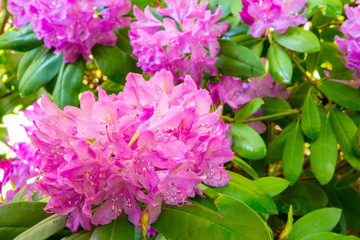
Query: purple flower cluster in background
{"type": "Point", "coordinates": [23, 165]}
{"type": "Point", "coordinates": [276, 14]}
{"type": "Point", "coordinates": [351, 45]}
{"type": "Point", "coordinates": [184, 42]}
{"type": "Point", "coordinates": [152, 143]}
{"type": "Point", "coordinates": [72, 26]}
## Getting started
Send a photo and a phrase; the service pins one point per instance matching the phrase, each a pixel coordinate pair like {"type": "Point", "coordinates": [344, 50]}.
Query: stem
{"type": "Point", "coordinates": [3, 24]}
{"type": "Point", "coordinates": [282, 114]}
{"type": "Point", "coordinates": [228, 119]}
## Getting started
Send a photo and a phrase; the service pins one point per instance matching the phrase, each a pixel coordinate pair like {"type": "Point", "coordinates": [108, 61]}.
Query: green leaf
{"type": "Point", "coordinates": [82, 235]}
{"type": "Point", "coordinates": [329, 8]}
{"type": "Point", "coordinates": [246, 167]}
{"type": "Point", "coordinates": [280, 65]}
{"type": "Point", "coordinates": [44, 229]}
{"type": "Point", "coordinates": [276, 146]}
{"type": "Point", "coordinates": [123, 41]}
{"type": "Point", "coordinates": [274, 105]}
{"type": "Point", "coordinates": [238, 61]}
{"type": "Point", "coordinates": [356, 143]}
{"type": "Point", "coordinates": [347, 179]}
{"type": "Point", "coordinates": [272, 185]}
{"type": "Point", "coordinates": [345, 130]}
{"type": "Point", "coordinates": [21, 40]}
{"type": "Point", "coordinates": [293, 155]}
{"type": "Point", "coordinates": [303, 196]}
{"type": "Point", "coordinates": [321, 220]}
{"type": "Point", "coordinates": [248, 109]}
{"type": "Point", "coordinates": [19, 194]}
{"type": "Point", "coordinates": [141, 3]}
{"type": "Point", "coordinates": [343, 94]}
{"type": "Point", "coordinates": [68, 84]}
{"type": "Point", "coordinates": [112, 62]}
{"type": "Point", "coordinates": [120, 228]}
{"type": "Point", "coordinates": [249, 193]}
{"type": "Point", "coordinates": [329, 236]}
{"type": "Point", "coordinates": [198, 222]}
{"type": "Point", "coordinates": [247, 142]}
{"type": "Point", "coordinates": [9, 233]}
{"type": "Point", "coordinates": [236, 7]}
{"type": "Point", "coordinates": [298, 39]}
{"type": "Point", "coordinates": [26, 60]}
{"type": "Point", "coordinates": [310, 118]}
{"type": "Point", "coordinates": [324, 151]}
{"type": "Point", "coordinates": [44, 67]}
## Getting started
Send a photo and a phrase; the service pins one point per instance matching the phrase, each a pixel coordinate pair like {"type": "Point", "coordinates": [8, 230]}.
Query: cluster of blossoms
{"type": "Point", "coordinates": [234, 92]}
{"type": "Point", "coordinates": [351, 45]}
{"type": "Point", "coordinates": [276, 14]}
{"type": "Point", "coordinates": [152, 143]}
{"type": "Point", "coordinates": [181, 42]}
{"type": "Point", "coordinates": [72, 26]}
{"type": "Point", "coordinates": [22, 168]}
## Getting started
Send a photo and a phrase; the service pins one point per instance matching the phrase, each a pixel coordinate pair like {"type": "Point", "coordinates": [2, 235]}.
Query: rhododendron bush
{"type": "Point", "coordinates": [169, 119]}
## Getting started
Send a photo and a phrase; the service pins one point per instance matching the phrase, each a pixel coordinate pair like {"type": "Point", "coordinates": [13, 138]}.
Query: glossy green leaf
{"type": "Point", "coordinates": [328, 236]}
{"type": "Point", "coordinates": [82, 235]}
{"type": "Point", "coordinates": [276, 146]}
{"type": "Point", "coordinates": [68, 84]}
{"type": "Point", "coordinates": [246, 167]}
{"type": "Point", "coordinates": [123, 41]}
{"type": "Point", "coordinates": [298, 39]}
{"type": "Point", "coordinates": [274, 105]}
{"type": "Point", "coordinates": [247, 142]}
{"type": "Point", "coordinates": [9, 233]}
{"type": "Point", "coordinates": [258, 48]}
{"type": "Point", "coordinates": [44, 67]}
{"type": "Point", "coordinates": [280, 65]}
{"type": "Point", "coordinates": [112, 62]}
{"type": "Point", "coordinates": [198, 222]}
{"type": "Point", "coordinates": [312, 61]}
{"type": "Point", "coordinates": [120, 228]}
{"type": "Point", "coordinates": [356, 143]}
{"type": "Point", "coordinates": [238, 61]}
{"type": "Point", "coordinates": [248, 109]}
{"type": "Point", "coordinates": [272, 185]}
{"type": "Point", "coordinates": [321, 220]}
{"type": "Point", "coordinates": [249, 193]}
{"type": "Point", "coordinates": [293, 155]}
{"type": "Point", "coordinates": [310, 118]}
{"type": "Point", "coordinates": [21, 40]}
{"type": "Point", "coordinates": [26, 60]}
{"type": "Point", "coordinates": [303, 196]}
{"type": "Point", "coordinates": [345, 130]}
{"type": "Point", "coordinates": [329, 8]}
{"type": "Point", "coordinates": [324, 151]}
{"type": "Point", "coordinates": [343, 94]}
{"type": "Point", "coordinates": [44, 229]}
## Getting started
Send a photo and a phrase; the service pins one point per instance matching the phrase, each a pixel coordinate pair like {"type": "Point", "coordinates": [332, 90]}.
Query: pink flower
{"type": "Point", "coordinates": [181, 46]}
{"type": "Point", "coordinates": [151, 143]}
{"type": "Point", "coordinates": [276, 14]}
{"type": "Point", "coordinates": [72, 26]}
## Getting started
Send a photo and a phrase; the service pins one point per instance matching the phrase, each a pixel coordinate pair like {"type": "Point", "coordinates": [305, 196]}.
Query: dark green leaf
{"type": "Point", "coordinates": [328, 236]}
{"type": "Point", "coordinates": [120, 228]}
{"type": "Point", "coordinates": [310, 118]}
{"type": "Point", "coordinates": [246, 167]}
{"type": "Point", "coordinates": [21, 40]}
{"type": "Point", "coordinates": [112, 62]}
{"type": "Point", "coordinates": [248, 109]}
{"type": "Point", "coordinates": [44, 67]}
{"type": "Point", "coordinates": [9, 233]}
{"type": "Point", "coordinates": [293, 155]}
{"type": "Point", "coordinates": [324, 151]}
{"type": "Point", "coordinates": [330, 8]}
{"type": "Point", "coordinates": [298, 39]}
{"type": "Point", "coordinates": [82, 235]}
{"type": "Point", "coordinates": [343, 94]}
{"type": "Point", "coordinates": [69, 83]}
{"type": "Point", "coordinates": [247, 142]}
{"type": "Point", "coordinates": [272, 185]}
{"type": "Point", "coordinates": [123, 41]}
{"type": "Point", "coordinates": [249, 193]}
{"type": "Point", "coordinates": [356, 143]}
{"type": "Point", "coordinates": [238, 61]}
{"type": "Point", "coordinates": [274, 105]}
{"type": "Point", "coordinates": [321, 220]}
{"type": "Point", "coordinates": [312, 60]}
{"type": "Point", "coordinates": [44, 229]}
{"type": "Point", "coordinates": [280, 65]}
{"type": "Point", "coordinates": [347, 179]}
{"type": "Point", "coordinates": [345, 130]}
{"type": "Point", "coordinates": [304, 197]}
{"type": "Point", "coordinates": [27, 59]}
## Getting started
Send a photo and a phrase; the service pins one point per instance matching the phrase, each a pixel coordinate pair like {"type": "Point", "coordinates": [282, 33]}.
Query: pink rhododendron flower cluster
{"type": "Point", "coordinates": [72, 26]}
{"type": "Point", "coordinates": [23, 165]}
{"type": "Point", "coordinates": [181, 42]}
{"type": "Point", "coordinates": [351, 45]}
{"type": "Point", "coordinates": [152, 143]}
{"type": "Point", "coordinates": [276, 14]}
